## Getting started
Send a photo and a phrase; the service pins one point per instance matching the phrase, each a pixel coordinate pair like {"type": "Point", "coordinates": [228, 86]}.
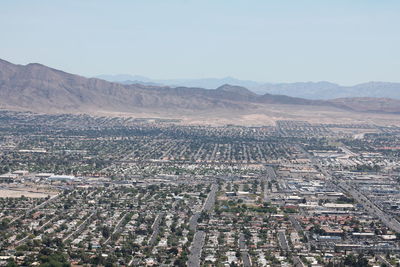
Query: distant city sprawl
{"type": "Point", "coordinates": [79, 190]}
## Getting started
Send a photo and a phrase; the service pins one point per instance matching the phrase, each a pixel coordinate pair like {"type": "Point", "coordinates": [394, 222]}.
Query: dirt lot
{"type": "Point", "coordinates": [27, 192]}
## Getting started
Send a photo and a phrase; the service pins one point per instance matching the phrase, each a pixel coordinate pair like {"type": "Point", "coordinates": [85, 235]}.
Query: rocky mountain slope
{"type": "Point", "coordinates": [38, 88]}
{"type": "Point", "coordinates": [310, 90]}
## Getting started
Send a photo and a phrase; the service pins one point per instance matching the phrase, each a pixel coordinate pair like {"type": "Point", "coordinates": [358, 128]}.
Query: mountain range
{"type": "Point", "coordinates": [38, 88]}
{"type": "Point", "coordinates": [310, 90]}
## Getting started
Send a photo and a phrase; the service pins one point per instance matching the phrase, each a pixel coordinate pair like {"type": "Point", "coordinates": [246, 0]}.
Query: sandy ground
{"type": "Point", "coordinates": [259, 115]}
{"type": "Point", "coordinates": [268, 115]}
{"type": "Point", "coordinates": [25, 191]}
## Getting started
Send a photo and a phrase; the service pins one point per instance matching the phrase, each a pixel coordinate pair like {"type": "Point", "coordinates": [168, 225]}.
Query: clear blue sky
{"type": "Point", "coordinates": [343, 41]}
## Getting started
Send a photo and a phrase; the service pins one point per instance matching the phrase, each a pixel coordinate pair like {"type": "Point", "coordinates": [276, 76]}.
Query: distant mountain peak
{"type": "Point", "coordinates": [36, 87]}
{"type": "Point", "coordinates": [4, 61]}
{"type": "Point", "coordinates": [235, 89]}
{"type": "Point", "coordinates": [36, 64]}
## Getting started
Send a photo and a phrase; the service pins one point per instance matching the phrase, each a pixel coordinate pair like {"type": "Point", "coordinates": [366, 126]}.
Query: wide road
{"type": "Point", "coordinates": [282, 240]}
{"type": "Point", "coordinates": [297, 262]}
{"type": "Point", "coordinates": [295, 223]}
{"type": "Point", "coordinates": [370, 207]}
{"type": "Point", "coordinates": [156, 228]}
{"type": "Point", "coordinates": [193, 221]}
{"type": "Point", "coordinates": [210, 201]}
{"type": "Point", "coordinates": [271, 173]}
{"type": "Point", "coordinates": [196, 249]}
{"type": "Point", "coordinates": [382, 260]}
{"type": "Point", "coordinates": [208, 206]}
{"type": "Point", "coordinates": [18, 242]}
{"type": "Point", "coordinates": [80, 228]}
{"type": "Point", "coordinates": [243, 251]}
{"type": "Point", "coordinates": [116, 228]}
{"type": "Point", "coordinates": [199, 236]}
{"type": "Point", "coordinates": [37, 207]}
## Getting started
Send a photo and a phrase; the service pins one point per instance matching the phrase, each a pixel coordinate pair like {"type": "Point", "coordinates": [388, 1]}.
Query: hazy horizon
{"type": "Point", "coordinates": [144, 78]}
{"type": "Point", "coordinates": [138, 76]}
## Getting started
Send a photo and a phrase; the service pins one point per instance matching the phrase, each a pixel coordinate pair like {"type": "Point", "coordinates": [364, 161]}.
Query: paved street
{"type": "Point", "coordinates": [195, 249]}
{"type": "Point", "coordinates": [282, 240]}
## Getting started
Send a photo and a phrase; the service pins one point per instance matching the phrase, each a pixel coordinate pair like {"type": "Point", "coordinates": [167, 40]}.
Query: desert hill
{"type": "Point", "coordinates": [38, 88]}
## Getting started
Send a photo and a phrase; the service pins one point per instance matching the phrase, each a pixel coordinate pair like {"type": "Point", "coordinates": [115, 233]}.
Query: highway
{"type": "Point", "coordinates": [370, 207]}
